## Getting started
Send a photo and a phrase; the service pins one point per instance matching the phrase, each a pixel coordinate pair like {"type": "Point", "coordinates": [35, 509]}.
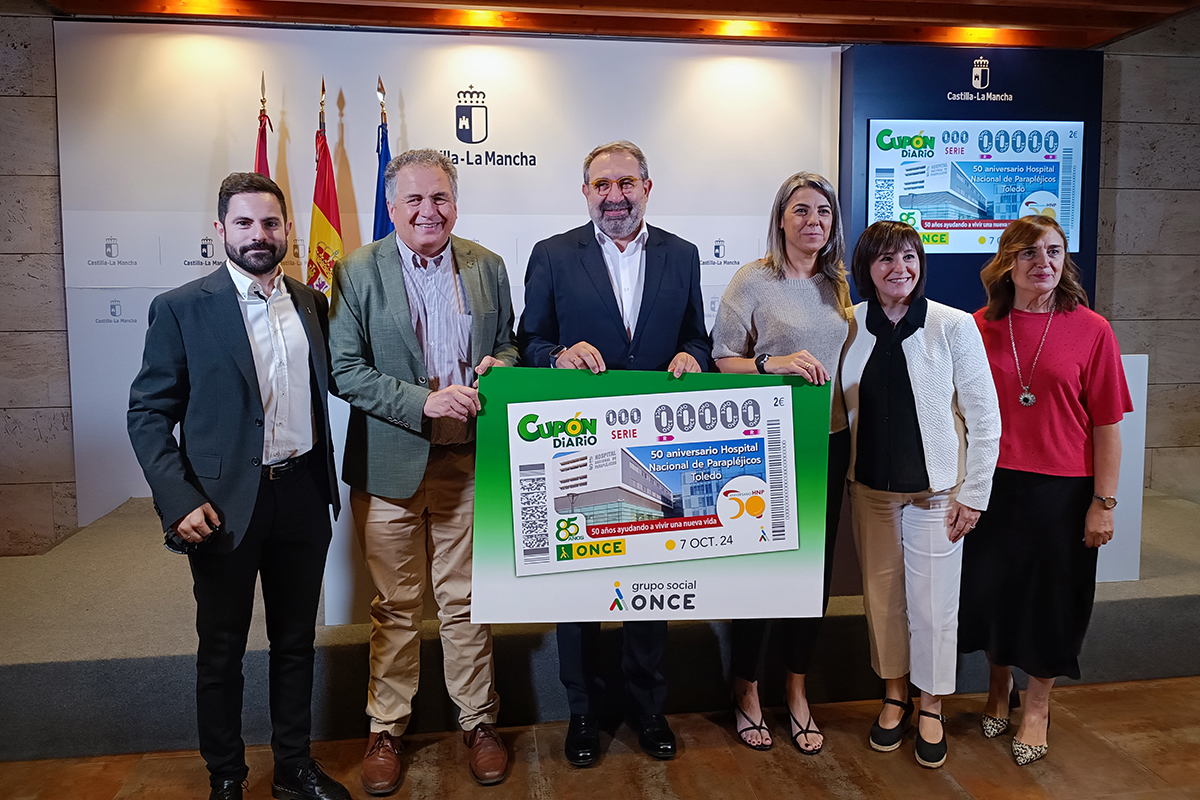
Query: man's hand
{"type": "Point", "coordinates": [456, 402]}
{"type": "Point", "coordinates": [683, 362]}
{"type": "Point", "coordinates": [198, 525]}
{"type": "Point", "coordinates": [1098, 526]}
{"type": "Point", "coordinates": [799, 363]}
{"type": "Point", "coordinates": [488, 361]}
{"type": "Point", "coordinates": [581, 356]}
{"type": "Point", "coordinates": [960, 520]}
{"type": "Point", "coordinates": [484, 365]}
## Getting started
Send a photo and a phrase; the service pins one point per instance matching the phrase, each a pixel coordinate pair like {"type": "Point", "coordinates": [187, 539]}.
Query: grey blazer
{"type": "Point", "coordinates": [378, 366]}
{"type": "Point", "coordinates": [198, 372]}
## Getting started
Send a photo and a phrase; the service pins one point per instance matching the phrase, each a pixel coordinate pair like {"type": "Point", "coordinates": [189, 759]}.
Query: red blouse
{"type": "Point", "coordinates": [1079, 383]}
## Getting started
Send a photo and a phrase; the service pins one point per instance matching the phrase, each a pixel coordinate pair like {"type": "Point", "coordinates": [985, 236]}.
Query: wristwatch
{"type": "Point", "coordinates": [555, 353]}
{"type": "Point", "coordinates": [760, 362]}
{"type": "Point", "coordinates": [1109, 502]}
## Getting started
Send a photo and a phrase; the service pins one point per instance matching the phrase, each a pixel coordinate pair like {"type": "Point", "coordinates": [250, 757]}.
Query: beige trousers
{"type": "Point", "coordinates": [400, 539]}
{"type": "Point", "coordinates": [911, 573]}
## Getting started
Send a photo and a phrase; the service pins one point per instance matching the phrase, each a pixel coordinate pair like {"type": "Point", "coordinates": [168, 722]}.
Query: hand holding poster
{"type": "Point", "coordinates": [642, 494]}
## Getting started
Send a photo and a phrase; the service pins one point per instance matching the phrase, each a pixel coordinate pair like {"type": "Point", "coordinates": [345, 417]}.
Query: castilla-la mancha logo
{"type": "Point", "coordinates": [471, 122]}
{"type": "Point", "coordinates": [980, 74]}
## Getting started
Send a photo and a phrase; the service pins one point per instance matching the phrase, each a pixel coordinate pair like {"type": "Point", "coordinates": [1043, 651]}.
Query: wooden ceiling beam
{"type": "Point", "coordinates": [790, 10]}
{"type": "Point", "coordinates": [1051, 27]}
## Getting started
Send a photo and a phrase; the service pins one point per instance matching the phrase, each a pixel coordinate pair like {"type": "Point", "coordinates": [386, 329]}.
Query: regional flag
{"type": "Point", "coordinates": [383, 223]}
{"type": "Point", "coordinates": [325, 235]}
{"type": "Point", "coordinates": [260, 154]}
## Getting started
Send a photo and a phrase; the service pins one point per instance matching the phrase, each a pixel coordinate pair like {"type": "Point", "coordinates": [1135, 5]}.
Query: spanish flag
{"type": "Point", "coordinates": [325, 235]}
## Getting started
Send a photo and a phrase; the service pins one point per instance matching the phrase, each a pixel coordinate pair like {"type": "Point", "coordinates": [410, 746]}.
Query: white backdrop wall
{"type": "Point", "coordinates": [152, 117]}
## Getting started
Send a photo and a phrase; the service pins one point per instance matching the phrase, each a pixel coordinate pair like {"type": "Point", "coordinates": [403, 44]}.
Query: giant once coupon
{"type": "Point", "coordinates": [643, 479]}
{"type": "Point", "coordinates": [961, 182]}
{"type": "Point", "coordinates": [638, 495]}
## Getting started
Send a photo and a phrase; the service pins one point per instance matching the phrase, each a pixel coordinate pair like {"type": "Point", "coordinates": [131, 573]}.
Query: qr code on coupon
{"type": "Point", "coordinates": [535, 534]}
{"type": "Point", "coordinates": [884, 189]}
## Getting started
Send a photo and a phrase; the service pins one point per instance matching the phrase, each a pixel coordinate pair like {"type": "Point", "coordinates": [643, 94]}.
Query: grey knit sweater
{"type": "Point", "coordinates": [761, 313]}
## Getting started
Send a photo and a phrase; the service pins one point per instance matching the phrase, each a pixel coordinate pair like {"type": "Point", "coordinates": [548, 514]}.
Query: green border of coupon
{"type": "Point", "coordinates": [494, 548]}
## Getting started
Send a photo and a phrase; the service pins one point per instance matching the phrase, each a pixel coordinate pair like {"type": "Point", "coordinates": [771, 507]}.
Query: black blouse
{"type": "Point", "coordinates": [890, 456]}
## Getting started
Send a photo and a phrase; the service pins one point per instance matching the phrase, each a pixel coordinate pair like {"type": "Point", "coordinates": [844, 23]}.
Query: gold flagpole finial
{"type": "Point", "coordinates": [381, 94]}
{"type": "Point", "coordinates": [322, 102]}
{"type": "Point", "coordinates": [263, 91]}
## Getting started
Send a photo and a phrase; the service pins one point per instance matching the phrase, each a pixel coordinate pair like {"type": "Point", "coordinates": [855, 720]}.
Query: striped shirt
{"type": "Point", "coordinates": [441, 318]}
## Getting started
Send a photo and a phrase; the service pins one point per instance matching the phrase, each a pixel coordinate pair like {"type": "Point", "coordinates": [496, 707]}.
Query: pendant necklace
{"type": "Point", "coordinates": [1027, 397]}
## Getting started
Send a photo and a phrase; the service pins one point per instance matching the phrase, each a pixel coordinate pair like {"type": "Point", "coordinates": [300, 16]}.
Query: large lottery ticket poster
{"type": "Point", "coordinates": [634, 495]}
{"type": "Point", "coordinates": [961, 182]}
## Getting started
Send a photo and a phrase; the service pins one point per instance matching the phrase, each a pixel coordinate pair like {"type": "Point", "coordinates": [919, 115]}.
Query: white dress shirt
{"type": "Point", "coordinates": [627, 271]}
{"type": "Point", "coordinates": [280, 348]}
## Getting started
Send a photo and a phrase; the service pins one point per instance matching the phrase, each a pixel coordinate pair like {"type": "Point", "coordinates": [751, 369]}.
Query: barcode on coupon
{"type": "Point", "coordinates": [535, 535]}
{"type": "Point", "coordinates": [777, 471]}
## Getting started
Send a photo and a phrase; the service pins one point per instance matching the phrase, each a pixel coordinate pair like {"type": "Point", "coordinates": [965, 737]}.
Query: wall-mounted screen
{"type": "Point", "coordinates": [961, 182]}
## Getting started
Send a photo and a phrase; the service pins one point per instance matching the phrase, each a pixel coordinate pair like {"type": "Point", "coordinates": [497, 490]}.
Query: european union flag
{"type": "Point", "coordinates": [383, 223]}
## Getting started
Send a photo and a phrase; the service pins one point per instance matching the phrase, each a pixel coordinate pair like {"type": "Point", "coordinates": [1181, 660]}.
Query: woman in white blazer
{"type": "Point", "coordinates": [924, 437]}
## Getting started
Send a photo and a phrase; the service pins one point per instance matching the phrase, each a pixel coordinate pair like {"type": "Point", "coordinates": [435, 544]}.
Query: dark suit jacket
{"type": "Point", "coordinates": [569, 299]}
{"type": "Point", "coordinates": [198, 372]}
{"type": "Point", "coordinates": [378, 365]}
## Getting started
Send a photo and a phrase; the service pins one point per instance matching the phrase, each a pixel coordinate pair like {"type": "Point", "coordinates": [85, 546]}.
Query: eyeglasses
{"type": "Point", "coordinates": [626, 184]}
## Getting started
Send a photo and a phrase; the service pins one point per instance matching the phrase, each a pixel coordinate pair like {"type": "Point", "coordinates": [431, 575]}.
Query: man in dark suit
{"type": "Point", "coordinates": [416, 317]}
{"type": "Point", "coordinates": [239, 361]}
{"type": "Point", "coordinates": [615, 294]}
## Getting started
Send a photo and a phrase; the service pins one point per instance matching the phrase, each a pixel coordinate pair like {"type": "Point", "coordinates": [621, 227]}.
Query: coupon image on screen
{"type": "Point", "coordinates": [960, 183]}
{"type": "Point", "coordinates": [651, 479]}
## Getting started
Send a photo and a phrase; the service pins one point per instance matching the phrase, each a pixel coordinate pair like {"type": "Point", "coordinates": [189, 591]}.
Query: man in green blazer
{"type": "Point", "coordinates": [414, 319]}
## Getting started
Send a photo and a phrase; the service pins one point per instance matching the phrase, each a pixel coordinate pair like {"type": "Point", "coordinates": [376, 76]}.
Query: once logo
{"type": "Point", "coordinates": [578, 550]}
{"type": "Point", "coordinates": [616, 603]}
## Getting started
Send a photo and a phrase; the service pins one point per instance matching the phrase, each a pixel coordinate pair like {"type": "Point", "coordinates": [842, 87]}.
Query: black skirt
{"type": "Point", "coordinates": [1028, 580]}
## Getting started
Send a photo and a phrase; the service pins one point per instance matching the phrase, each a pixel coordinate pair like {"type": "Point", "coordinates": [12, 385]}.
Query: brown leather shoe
{"type": "Point", "coordinates": [381, 765]}
{"type": "Point", "coordinates": [488, 757]}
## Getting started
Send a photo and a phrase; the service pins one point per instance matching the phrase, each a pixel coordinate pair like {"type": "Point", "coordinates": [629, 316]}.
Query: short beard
{"type": "Point", "coordinates": [255, 261]}
{"type": "Point", "coordinates": [618, 228]}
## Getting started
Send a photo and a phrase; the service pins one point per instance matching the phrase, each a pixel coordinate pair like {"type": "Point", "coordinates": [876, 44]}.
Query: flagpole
{"type": "Point", "coordinates": [261, 165]}
{"type": "Point", "coordinates": [383, 221]}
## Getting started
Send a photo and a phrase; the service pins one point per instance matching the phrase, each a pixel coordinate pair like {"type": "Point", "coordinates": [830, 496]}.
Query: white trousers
{"type": "Point", "coordinates": [911, 574]}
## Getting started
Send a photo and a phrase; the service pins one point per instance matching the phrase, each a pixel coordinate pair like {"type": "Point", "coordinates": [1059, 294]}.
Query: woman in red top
{"type": "Point", "coordinates": [1029, 567]}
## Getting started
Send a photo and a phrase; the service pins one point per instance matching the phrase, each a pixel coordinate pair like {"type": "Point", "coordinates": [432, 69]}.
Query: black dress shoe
{"type": "Point", "coordinates": [583, 740]}
{"type": "Point", "coordinates": [655, 736]}
{"type": "Point", "coordinates": [885, 740]}
{"type": "Point", "coordinates": [306, 782]}
{"type": "Point", "coordinates": [226, 790]}
{"type": "Point", "coordinates": [931, 754]}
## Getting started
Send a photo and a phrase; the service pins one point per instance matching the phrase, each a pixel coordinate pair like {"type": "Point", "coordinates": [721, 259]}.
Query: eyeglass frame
{"type": "Point", "coordinates": [617, 182]}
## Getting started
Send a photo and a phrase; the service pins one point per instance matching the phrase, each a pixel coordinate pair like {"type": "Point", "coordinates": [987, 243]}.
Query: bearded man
{"type": "Point", "coordinates": [238, 361]}
{"type": "Point", "coordinates": [615, 294]}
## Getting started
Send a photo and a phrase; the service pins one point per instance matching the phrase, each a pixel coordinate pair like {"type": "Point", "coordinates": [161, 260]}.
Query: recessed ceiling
{"type": "Point", "coordinates": [1071, 24]}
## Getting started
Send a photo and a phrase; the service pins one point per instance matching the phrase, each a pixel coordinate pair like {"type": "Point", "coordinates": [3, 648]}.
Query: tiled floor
{"type": "Point", "coordinates": [1130, 740]}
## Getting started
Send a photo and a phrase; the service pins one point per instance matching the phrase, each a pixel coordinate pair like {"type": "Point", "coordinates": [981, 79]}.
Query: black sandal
{"type": "Point", "coordinates": [804, 731]}
{"type": "Point", "coordinates": [761, 727]}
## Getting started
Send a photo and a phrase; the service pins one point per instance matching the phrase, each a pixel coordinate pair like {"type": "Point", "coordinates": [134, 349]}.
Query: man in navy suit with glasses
{"type": "Point", "coordinates": [615, 294]}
